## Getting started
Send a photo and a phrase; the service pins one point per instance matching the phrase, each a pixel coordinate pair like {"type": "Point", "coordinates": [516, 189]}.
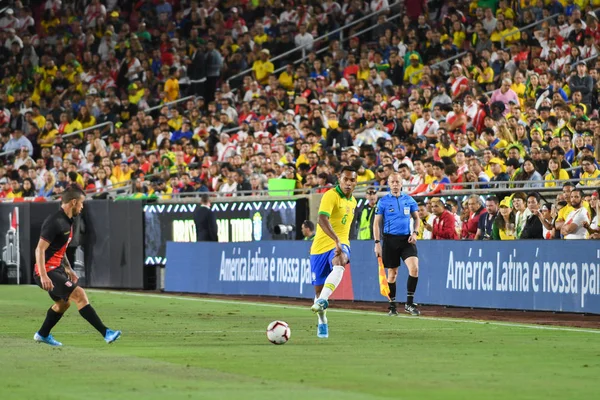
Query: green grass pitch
{"type": "Point", "coordinates": [193, 348]}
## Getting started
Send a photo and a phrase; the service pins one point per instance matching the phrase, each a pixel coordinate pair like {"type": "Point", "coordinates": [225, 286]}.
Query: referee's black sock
{"type": "Point", "coordinates": [392, 286]}
{"type": "Point", "coordinates": [411, 287]}
{"type": "Point", "coordinates": [52, 318]}
{"type": "Point", "coordinates": [90, 316]}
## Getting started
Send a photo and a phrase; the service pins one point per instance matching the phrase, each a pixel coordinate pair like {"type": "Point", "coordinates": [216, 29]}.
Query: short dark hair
{"type": "Point", "coordinates": [538, 198]}
{"type": "Point", "coordinates": [72, 192]}
{"type": "Point", "coordinates": [493, 198]}
{"type": "Point", "coordinates": [309, 225]}
{"type": "Point", "coordinates": [347, 168]}
{"type": "Point", "coordinates": [439, 164]}
{"type": "Point", "coordinates": [205, 199]}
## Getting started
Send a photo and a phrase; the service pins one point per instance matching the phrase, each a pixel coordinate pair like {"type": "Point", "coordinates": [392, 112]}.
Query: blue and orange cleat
{"type": "Point", "coordinates": [49, 340]}
{"type": "Point", "coordinates": [111, 336]}
{"type": "Point", "coordinates": [322, 331]}
{"type": "Point", "coordinates": [320, 305]}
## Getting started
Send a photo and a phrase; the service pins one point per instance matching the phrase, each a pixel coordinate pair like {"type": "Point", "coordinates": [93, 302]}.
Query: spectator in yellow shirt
{"type": "Point", "coordinates": [85, 118]}
{"type": "Point", "coordinates": [511, 33]}
{"type": "Point", "coordinates": [555, 173]}
{"type": "Point", "coordinates": [263, 68]}
{"type": "Point", "coordinates": [172, 84]}
{"type": "Point", "coordinates": [286, 78]}
{"type": "Point", "coordinates": [363, 175]}
{"type": "Point", "coordinates": [588, 165]}
{"type": "Point", "coordinates": [414, 71]}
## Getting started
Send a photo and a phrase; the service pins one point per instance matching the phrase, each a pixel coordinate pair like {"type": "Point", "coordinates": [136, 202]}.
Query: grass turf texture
{"type": "Point", "coordinates": [175, 348]}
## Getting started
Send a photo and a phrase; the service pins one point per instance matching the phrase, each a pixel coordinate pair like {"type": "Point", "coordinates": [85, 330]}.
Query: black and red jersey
{"type": "Point", "coordinates": [57, 230]}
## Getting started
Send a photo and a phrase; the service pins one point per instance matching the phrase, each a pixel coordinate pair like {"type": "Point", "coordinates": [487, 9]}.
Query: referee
{"type": "Point", "coordinates": [395, 211]}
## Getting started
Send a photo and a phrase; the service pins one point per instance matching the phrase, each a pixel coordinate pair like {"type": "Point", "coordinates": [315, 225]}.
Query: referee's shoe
{"type": "Point", "coordinates": [393, 311]}
{"type": "Point", "coordinates": [412, 309]}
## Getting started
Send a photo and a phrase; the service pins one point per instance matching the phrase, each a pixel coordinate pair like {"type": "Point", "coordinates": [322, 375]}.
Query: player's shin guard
{"type": "Point", "coordinates": [332, 282]}
{"type": "Point", "coordinates": [89, 314]}
{"type": "Point", "coordinates": [52, 318]}
{"type": "Point", "coordinates": [411, 288]}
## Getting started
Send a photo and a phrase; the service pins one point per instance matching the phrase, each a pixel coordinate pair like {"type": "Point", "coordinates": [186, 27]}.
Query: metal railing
{"type": "Point", "coordinates": [91, 128]}
{"type": "Point", "coordinates": [521, 29]}
{"type": "Point", "coordinates": [440, 63]}
{"type": "Point", "coordinates": [315, 41]}
{"type": "Point", "coordinates": [8, 153]}
{"type": "Point", "coordinates": [158, 107]}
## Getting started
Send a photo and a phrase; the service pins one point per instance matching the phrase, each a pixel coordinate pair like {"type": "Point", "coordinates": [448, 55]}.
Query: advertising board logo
{"type": "Point", "coordinates": [257, 226]}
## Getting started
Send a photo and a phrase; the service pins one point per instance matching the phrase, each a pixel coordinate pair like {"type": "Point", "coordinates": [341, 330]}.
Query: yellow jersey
{"type": "Point", "coordinates": [593, 175]}
{"type": "Point", "coordinates": [340, 210]}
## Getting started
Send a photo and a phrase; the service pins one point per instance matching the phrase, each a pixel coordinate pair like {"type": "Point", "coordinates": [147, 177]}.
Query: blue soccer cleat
{"type": "Point", "coordinates": [320, 305]}
{"type": "Point", "coordinates": [322, 331]}
{"type": "Point", "coordinates": [111, 336]}
{"type": "Point", "coordinates": [49, 340]}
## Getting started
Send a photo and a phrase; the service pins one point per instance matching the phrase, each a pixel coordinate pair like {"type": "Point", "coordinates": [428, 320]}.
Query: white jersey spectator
{"type": "Point", "coordinates": [578, 217]}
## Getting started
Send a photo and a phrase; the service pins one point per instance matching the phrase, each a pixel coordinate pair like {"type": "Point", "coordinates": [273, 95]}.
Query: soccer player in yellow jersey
{"type": "Point", "coordinates": [330, 251]}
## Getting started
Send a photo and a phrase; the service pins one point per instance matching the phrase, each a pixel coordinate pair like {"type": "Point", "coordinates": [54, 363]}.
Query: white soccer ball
{"type": "Point", "coordinates": [278, 332]}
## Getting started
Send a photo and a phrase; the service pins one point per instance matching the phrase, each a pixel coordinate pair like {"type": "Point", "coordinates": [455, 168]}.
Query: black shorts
{"type": "Point", "coordinates": [396, 248]}
{"type": "Point", "coordinates": [63, 287]}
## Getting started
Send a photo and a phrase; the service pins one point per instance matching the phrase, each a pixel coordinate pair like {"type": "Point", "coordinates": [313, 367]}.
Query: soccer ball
{"type": "Point", "coordinates": [278, 332]}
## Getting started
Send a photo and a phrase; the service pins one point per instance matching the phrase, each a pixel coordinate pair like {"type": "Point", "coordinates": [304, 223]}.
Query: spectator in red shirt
{"type": "Point", "coordinates": [475, 210]}
{"type": "Point", "coordinates": [444, 222]}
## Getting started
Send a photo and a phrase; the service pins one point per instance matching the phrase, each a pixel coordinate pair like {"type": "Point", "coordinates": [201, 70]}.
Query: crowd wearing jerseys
{"type": "Point", "coordinates": [511, 108]}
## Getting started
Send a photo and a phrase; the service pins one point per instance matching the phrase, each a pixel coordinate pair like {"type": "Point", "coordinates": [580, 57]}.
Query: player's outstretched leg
{"type": "Point", "coordinates": [322, 327]}
{"type": "Point", "coordinates": [89, 314]}
{"type": "Point", "coordinates": [53, 315]}
{"type": "Point", "coordinates": [411, 285]}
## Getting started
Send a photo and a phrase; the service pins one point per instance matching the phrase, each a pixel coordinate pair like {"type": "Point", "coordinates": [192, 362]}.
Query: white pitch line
{"type": "Point", "coordinates": [371, 313]}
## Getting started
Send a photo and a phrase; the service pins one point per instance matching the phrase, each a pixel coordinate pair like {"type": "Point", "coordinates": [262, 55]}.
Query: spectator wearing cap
{"type": "Point", "coordinates": [533, 228]}
{"type": "Point", "coordinates": [503, 227]}
{"type": "Point", "coordinates": [5, 187]}
{"type": "Point", "coordinates": [444, 224]}
{"type": "Point", "coordinates": [498, 170]}
{"type": "Point", "coordinates": [263, 68]}
{"type": "Point", "coordinates": [458, 82]}
{"type": "Point", "coordinates": [414, 71]}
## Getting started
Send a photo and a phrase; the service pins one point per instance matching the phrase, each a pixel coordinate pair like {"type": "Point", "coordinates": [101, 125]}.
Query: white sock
{"type": "Point", "coordinates": [332, 281]}
{"type": "Point", "coordinates": [322, 317]}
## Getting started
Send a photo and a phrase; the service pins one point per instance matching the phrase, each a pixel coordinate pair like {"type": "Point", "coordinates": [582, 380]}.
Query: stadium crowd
{"type": "Point", "coordinates": [451, 94]}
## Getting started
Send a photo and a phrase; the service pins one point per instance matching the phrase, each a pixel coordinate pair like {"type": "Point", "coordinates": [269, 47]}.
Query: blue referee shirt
{"type": "Point", "coordinates": [396, 212]}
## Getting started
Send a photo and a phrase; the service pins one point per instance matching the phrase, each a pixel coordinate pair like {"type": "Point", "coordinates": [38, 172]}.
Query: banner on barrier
{"type": "Point", "coordinates": [526, 275]}
{"type": "Point", "coordinates": [237, 221]}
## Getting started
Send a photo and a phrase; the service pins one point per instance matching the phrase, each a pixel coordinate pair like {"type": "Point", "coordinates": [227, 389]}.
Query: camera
{"type": "Point", "coordinates": [283, 229]}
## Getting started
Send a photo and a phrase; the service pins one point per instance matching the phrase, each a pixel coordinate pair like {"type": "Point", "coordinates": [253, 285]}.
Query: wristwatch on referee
{"type": "Point", "coordinates": [377, 241]}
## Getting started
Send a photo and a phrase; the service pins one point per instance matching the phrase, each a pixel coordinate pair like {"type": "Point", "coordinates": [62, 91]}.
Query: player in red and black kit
{"type": "Point", "coordinates": [54, 273]}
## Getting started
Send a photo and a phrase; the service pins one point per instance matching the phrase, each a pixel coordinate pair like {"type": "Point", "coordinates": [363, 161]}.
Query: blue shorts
{"type": "Point", "coordinates": [321, 266]}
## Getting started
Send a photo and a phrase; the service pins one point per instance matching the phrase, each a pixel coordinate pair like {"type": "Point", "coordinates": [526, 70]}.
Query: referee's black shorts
{"type": "Point", "coordinates": [396, 247]}
{"type": "Point", "coordinates": [63, 286]}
